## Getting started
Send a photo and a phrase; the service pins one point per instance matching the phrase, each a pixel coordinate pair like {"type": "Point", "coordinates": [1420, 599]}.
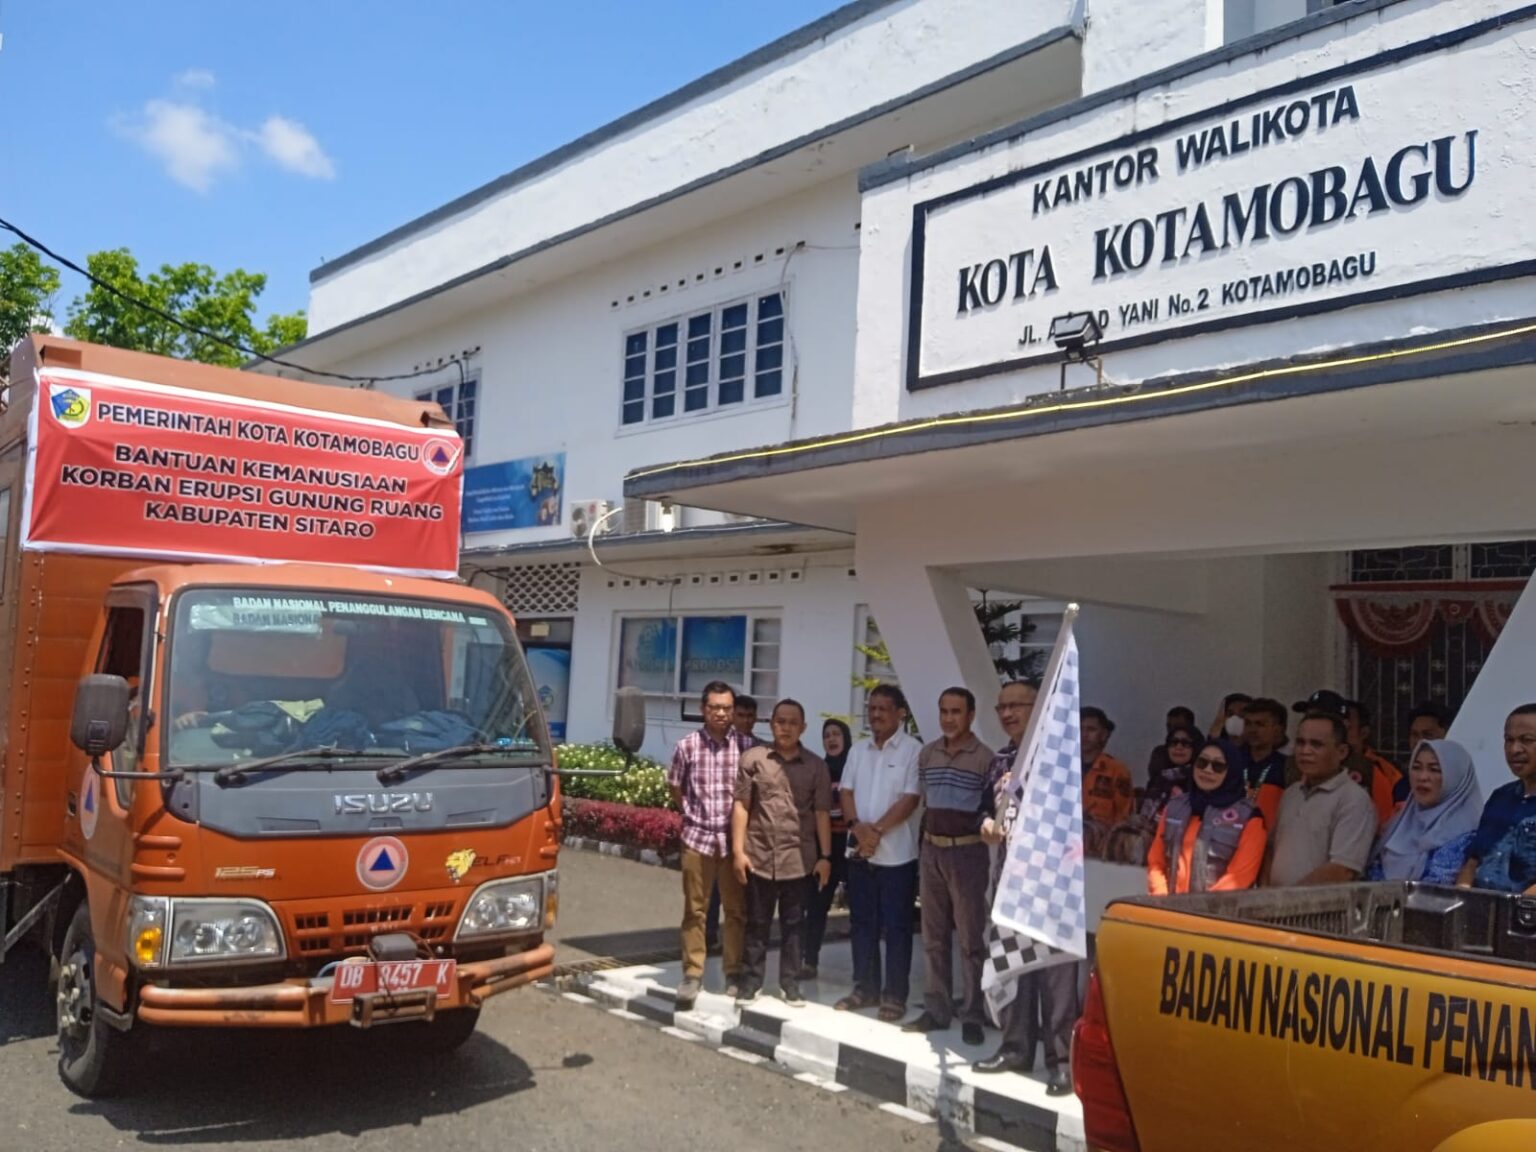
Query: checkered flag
{"type": "Point", "coordinates": [1038, 913]}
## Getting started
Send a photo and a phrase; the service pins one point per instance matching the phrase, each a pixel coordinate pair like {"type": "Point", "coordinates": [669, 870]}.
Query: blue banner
{"type": "Point", "coordinates": [551, 671]}
{"type": "Point", "coordinates": [526, 493]}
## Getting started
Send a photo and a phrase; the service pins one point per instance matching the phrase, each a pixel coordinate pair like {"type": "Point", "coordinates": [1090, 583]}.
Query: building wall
{"type": "Point", "coordinates": [1406, 239]}
{"type": "Point", "coordinates": [551, 362]}
{"type": "Point", "coordinates": [817, 659]}
{"type": "Point", "coordinates": [890, 51]}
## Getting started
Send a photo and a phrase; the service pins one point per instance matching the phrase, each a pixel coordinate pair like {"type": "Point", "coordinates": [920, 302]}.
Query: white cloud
{"type": "Point", "coordinates": [290, 145]}
{"type": "Point", "coordinates": [194, 146]}
{"type": "Point", "coordinates": [197, 148]}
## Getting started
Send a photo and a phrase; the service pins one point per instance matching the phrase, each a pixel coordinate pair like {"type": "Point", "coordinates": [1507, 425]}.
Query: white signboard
{"type": "Point", "coordinates": [1411, 171]}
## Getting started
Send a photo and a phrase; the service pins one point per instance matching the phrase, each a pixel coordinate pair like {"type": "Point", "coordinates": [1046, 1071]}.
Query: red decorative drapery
{"type": "Point", "coordinates": [1394, 620]}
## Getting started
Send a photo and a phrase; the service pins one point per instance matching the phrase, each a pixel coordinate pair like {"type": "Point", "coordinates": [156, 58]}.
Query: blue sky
{"type": "Point", "coordinates": [272, 136]}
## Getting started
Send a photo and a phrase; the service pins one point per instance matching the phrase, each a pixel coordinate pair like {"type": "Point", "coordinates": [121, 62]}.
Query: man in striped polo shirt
{"type": "Point", "coordinates": [954, 865]}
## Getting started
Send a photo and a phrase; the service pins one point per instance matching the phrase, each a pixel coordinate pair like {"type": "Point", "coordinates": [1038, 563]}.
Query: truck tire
{"type": "Point", "coordinates": [447, 1032]}
{"type": "Point", "coordinates": [94, 1057]}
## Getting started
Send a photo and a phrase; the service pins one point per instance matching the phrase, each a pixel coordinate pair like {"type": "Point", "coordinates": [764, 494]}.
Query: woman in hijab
{"type": "Point", "coordinates": [1209, 838]}
{"type": "Point", "coordinates": [836, 740]}
{"type": "Point", "coordinates": [1427, 840]}
{"type": "Point", "coordinates": [1184, 744]}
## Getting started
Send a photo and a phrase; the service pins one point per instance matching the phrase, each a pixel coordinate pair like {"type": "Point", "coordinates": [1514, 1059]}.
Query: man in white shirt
{"type": "Point", "coordinates": [880, 796]}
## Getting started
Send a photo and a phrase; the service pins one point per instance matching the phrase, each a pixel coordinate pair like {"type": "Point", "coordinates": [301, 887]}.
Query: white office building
{"type": "Point", "coordinates": [787, 335]}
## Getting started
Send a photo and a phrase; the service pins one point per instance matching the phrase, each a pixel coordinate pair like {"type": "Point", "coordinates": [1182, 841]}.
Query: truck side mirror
{"type": "Point", "coordinates": [629, 719]}
{"type": "Point", "coordinates": [100, 719]}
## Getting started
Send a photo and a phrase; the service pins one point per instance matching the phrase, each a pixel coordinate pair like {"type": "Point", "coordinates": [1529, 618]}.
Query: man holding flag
{"type": "Point", "coordinates": [1039, 917]}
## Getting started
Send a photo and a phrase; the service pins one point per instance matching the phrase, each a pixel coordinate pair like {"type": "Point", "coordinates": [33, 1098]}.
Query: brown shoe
{"type": "Point", "coordinates": [854, 1002]}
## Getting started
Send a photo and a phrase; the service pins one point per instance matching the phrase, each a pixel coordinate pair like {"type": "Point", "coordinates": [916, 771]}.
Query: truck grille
{"type": "Point", "coordinates": [346, 931]}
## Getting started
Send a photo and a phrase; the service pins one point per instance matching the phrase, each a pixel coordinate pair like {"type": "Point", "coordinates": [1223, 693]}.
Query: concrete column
{"type": "Point", "coordinates": [926, 619]}
{"type": "Point", "coordinates": [1506, 681]}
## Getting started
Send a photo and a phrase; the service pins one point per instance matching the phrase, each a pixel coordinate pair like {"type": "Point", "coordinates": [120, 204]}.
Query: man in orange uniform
{"type": "Point", "coordinates": [1108, 794]}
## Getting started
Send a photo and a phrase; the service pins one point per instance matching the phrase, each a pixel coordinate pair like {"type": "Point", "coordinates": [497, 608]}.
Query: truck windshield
{"type": "Point", "coordinates": [257, 673]}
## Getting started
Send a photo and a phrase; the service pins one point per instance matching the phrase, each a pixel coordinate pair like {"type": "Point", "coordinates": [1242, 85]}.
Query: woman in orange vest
{"type": "Point", "coordinates": [1210, 838]}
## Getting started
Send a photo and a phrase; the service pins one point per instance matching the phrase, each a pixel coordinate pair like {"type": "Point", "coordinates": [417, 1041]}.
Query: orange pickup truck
{"type": "Point", "coordinates": [1392, 1017]}
{"type": "Point", "coordinates": [295, 790]}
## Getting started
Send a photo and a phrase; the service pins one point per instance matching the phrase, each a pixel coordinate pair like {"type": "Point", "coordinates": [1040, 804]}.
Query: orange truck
{"type": "Point", "coordinates": [1398, 1017]}
{"type": "Point", "coordinates": [267, 762]}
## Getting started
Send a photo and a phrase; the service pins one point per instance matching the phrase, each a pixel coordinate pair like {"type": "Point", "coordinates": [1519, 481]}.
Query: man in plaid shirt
{"type": "Point", "coordinates": [703, 783]}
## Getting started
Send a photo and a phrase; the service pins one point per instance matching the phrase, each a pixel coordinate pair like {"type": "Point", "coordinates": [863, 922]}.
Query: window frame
{"type": "Point", "coordinates": [713, 407]}
{"type": "Point", "coordinates": [145, 599]}
{"type": "Point", "coordinates": [471, 384]}
{"type": "Point", "coordinates": [689, 701]}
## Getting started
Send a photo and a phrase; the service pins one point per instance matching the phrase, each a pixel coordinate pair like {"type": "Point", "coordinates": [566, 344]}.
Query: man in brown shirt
{"type": "Point", "coordinates": [953, 865]}
{"type": "Point", "coordinates": [781, 827]}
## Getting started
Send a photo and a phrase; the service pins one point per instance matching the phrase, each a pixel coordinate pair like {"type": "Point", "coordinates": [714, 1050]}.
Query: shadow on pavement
{"type": "Point", "coordinates": [26, 1012]}
{"type": "Point", "coordinates": [218, 1087]}
{"type": "Point", "coordinates": [640, 942]}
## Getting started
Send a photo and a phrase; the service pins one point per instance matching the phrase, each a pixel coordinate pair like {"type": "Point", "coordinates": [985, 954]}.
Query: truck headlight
{"type": "Point", "coordinates": [209, 931]}
{"type": "Point", "coordinates": [503, 907]}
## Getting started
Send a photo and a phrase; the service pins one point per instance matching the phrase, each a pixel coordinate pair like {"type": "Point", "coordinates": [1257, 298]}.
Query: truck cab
{"type": "Point", "coordinates": [270, 793]}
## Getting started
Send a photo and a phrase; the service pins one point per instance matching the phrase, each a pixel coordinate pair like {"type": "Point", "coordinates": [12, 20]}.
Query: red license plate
{"type": "Point", "coordinates": [391, 976]}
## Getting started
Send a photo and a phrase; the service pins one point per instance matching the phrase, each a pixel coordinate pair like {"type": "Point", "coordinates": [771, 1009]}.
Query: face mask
{"type": "Point", "coordinates": [1234, 727]}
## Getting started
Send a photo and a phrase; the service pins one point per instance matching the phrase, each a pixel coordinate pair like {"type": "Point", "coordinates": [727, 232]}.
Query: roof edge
{"type": "Point", "coordinates": [897, 168]}
{"type": "Point", "coordinates": [834, 21]}
{"type": "Point", "coordinates": [1492, 345]}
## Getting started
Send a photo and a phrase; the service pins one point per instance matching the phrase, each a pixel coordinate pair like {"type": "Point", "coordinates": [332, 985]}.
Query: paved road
{"type": "Point", "coordinates": [543, 1075]}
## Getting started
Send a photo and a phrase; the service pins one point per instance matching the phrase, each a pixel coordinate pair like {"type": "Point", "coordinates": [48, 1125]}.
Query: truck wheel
{"type": "Point", "coordinates": [449, 1031]}
{"type": "Point", "coordinates": [93, 1056]}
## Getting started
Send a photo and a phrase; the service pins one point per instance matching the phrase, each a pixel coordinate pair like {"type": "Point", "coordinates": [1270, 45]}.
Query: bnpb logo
{"type": "Point", "coordinates": [71, 406]}
{"type": "Point", "coordinates": [441, 455]}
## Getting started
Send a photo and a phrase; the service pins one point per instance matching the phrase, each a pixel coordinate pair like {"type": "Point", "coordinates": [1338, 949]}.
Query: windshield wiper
{"type": "Point", "coordinates": [290, 761]}
{"type": "Point", "coordinates": [392, 772]}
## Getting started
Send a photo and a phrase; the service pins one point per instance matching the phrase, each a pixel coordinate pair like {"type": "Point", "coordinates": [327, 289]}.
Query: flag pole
{"type": "Point", "coordinates": [1052, 670]}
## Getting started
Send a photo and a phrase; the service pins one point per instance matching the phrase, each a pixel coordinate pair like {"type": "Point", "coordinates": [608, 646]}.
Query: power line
{"type": "Point", "coordinates": [361, 381]}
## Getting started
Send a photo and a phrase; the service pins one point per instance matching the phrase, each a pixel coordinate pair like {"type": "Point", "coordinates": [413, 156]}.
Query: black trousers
{"type": "Point", "coordinates": [819, 900]}
{"type": "Point", "coordinates": [763, 896]}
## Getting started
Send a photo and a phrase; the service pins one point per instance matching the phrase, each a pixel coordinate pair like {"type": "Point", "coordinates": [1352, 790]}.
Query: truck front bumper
{"type": "Point", "coordinates": [301, 1003]}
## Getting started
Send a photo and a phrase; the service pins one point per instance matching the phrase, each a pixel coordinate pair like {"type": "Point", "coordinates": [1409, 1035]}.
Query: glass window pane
{"type": "Point", "coordinates": [445, 399]}
{"type": "Point", "coordinates": [634, 412]}
{"type": "Point", "coordinates": [634, 390]}
{"type": "Point", "coordinates": [768, 383]}
{"type": "Point", "coordinates": [734, 317]}
{"type": "Point", "coordinates": [714, 648]}
{"type": "Point", "coordinates": [469, 389]}
{"type": "Point", "coordinates": [765, 685]}
{"type": "Point", "coordinates": [666, 335]}
{"type": "Point", "coordinates": [770, 306]}
{"type": "Point", "coordinates": [699, 325]}
{"type": "Point", "coordinates": [698, 374]}
{"type": "Point", "coordinates": [634, 366]}
{"type": "Point", "coordinates": [664, 382]}
{"type": "Point", "coordinates": [767, 630]}
{"type": "Point", "coordinates": [695, 399]}
{"type": "Point", "coordinates": [770, 357]}
{"type": "Point", "coordinates": [648, 653]}
{"type": "Point", "coordinates": [765, 655]}
{"type": "Point", "coordinates": [770, 332]}
{"type": "Point", "coordinates": [666, 357]}
{"type": "Point", "coordinates": [732, 391]}
{"type": "Point", "coordinates": [734, 340]}
{"type": "Point", "coordinates": [734, 367]}
{"type": "Point", "coordinates": [663, 406]}
{"type": "Point", "coordinates": [634, 345]}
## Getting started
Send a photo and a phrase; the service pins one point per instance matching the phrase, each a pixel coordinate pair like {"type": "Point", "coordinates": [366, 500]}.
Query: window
{"type": "Point", "coordinates": [458, 401]}
{"type": "Point", "coordinates": [677, 655]}
{"type": "Point", "coordinates": [124, 653]}
{"type": "Point", "coordinates": [708, 362]}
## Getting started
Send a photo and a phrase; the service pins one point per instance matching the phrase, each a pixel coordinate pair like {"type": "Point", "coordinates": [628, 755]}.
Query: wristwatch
{"type": "Point", "coordinates": [819, 859]}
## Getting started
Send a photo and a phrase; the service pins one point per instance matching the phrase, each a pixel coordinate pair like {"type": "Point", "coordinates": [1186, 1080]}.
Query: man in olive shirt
{"type": "Point", "coordinates": [1326, 824]}
{"type": "Point", "coordinates": [781, 826]}
{"type": "Point", "coordinates": [953, 865]}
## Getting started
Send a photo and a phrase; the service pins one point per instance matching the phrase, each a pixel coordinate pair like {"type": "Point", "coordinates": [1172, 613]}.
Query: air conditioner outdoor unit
{"type": "Point", "coordinates": [585, 513]}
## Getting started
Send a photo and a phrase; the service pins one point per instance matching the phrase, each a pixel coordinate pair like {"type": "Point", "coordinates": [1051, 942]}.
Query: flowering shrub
{"type": "Point", "coordinates": [655, 828]}
{"type": "Point", "coordinates": [644, 785]}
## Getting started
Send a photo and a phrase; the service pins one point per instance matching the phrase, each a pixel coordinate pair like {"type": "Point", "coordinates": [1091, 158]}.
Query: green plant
{"type": "Point", "coordinates": [643, 784]}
